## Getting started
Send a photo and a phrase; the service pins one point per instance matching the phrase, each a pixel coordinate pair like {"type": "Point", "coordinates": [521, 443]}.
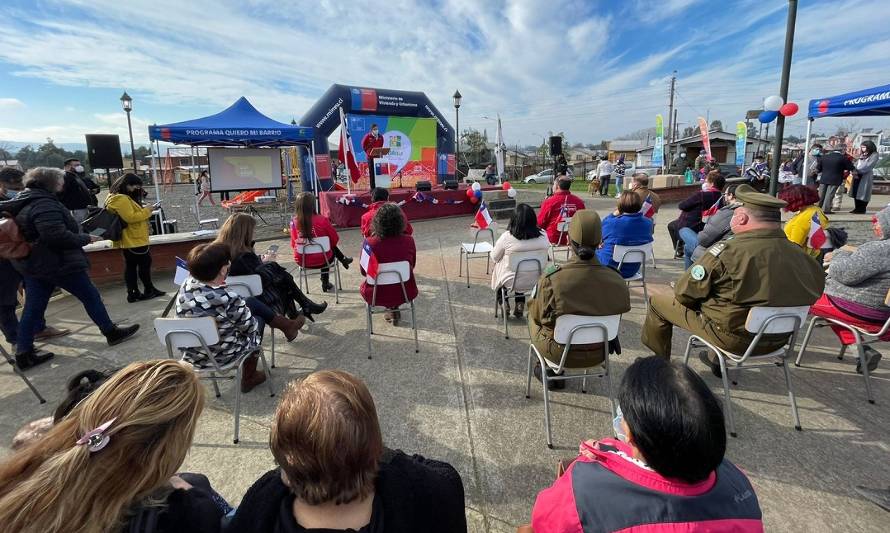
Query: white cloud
{"type": "Point", "coordinates": [11, 103]}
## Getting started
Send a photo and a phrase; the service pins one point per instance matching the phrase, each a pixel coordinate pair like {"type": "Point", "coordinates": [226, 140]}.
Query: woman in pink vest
{"type": "Point", "coordinates": [665, 471]}
{"type": "Point", "coordinates": [307, 225]}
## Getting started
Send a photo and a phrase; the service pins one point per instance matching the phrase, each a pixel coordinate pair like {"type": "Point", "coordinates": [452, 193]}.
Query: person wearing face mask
{"type": "Point", "coordinates": [693, 210]}
{"type": "Point", "coordinates": [712, 299]}
{"type": "Point", "coordinates": [832, 166]}
{"type": "Point", "coordinates": [372, 140]}
{"type": "Point", "coordinates": [813, 164]}
{"type": "Point", "coordinates": [75, 195]}
{"type": "Point", "coordinates": [863, 179]}
{"type": "Point", "coordinates": [643, 480]}
{"type": "Point", "coordinates": [125, 200]}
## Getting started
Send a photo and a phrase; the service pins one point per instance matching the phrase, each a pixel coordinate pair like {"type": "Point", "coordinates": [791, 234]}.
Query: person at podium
{"type": "Point", "coordinates": [372, 140]}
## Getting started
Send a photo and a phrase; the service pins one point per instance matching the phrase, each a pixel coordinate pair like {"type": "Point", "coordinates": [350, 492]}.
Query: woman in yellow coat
{"type": "Point", "coordinates": [805, 202]}
{"type": "Point", "coordinates": [126, 201]}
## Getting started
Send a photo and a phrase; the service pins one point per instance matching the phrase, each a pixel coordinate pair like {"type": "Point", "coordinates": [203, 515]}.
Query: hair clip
{"type": "Point", "coordinates": [96, 439]}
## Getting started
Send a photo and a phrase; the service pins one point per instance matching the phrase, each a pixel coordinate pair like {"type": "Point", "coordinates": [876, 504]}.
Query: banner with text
{"type": "Point", "coordinates": [741, 142]}
{"type": "Point", "coordinates": [412, 147]}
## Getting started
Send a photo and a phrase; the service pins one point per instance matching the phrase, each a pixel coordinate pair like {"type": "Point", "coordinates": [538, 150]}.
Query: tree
{"type": "Point", "coordinates": [716, 125]}
{"type": "Point", "coordinates": [476, 151]}
{"type": "Point", "coordinates": [639, 135]}
{"type": "Point", "coordinates": [688, 131]}
{"type": "Point", "coordinates": [5, 152]}
{"type": "Point", "coordinates": [48, 155]}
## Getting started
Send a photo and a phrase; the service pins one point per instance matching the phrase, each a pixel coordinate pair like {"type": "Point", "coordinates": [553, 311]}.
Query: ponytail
{"type": "Point", "coordinates": [584, 252]}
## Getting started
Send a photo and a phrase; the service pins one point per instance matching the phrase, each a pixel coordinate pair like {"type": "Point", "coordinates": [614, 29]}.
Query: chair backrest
{"type": "Point", "coordinates": [527, 268]}
{"type": "Point", "coordinates": [776, 319]}
{"type": "Point", "coordinates": [187, 332]}
{"type": "Point", "coordinates": [316, 245]}
{"type": "Point", "coordinates": [563, 225]}
{"type": "Point", "coordinates": [246, 286]}
{"type": "Point", "coordinates": [637, 253]}
{"type": "Point", "coordinates": [391, 273]}
{"type": "Point", "coordinates": [579, 329]}
{"type": "Point", "coordinates": [887, 299]}
{"type": "Point", "coordinates": [479, 236]}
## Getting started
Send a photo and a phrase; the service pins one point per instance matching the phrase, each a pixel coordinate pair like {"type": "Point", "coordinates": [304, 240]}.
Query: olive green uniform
{"type": "Point", "coordinates": [712, 299]}
{"type": "Point", "coordinates": [576, 287]}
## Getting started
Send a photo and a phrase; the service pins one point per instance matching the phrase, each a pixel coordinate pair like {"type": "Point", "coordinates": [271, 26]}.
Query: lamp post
{"type": "Point", "coordinates": [457, 98]}
{"type": "Point", "coordinates": [783, 92]}
{"type": "Point", "coordinates": [127, 104]}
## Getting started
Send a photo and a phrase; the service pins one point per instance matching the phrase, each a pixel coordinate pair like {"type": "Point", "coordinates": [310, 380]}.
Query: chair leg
{"type": "Point", "coordinates": [238, 375]}
{"type": "Point", "coordinates": [487, 262]}
{"type": "Point", "coordinates": [370, 330]}
{"type": "Point", "coordinates": [727, 398]}
{"type": "Point", "coordinates": [546, 408]}
{"type": "Point", "coordinates": [688, 351]}
{"type": "Point", "coordinates": [584, 383]}
{"type": "Point", "coordinates": [794, 412]}
{"type": "Point", "coordinates": [414, 327]}
{"type": "Point", "coordinates": [339, 279]}
{"type": "Point", "coordinates": [272, 334]}
{"type": "Point", "coordinates": [19, 373]}
{"type": "Point", "coordinates": [528, 381]}
{"type": "Point", "coordinates": [806, 340]}
{"type": "Point", "coordinates": [645, 296]}
{"type": "Point", "coordinates": [467, 258]}
{"type": "Point", "coordinates": [460, 264]}
{"type": "Point", "coordinates": [840, 354]}
{"type": "Point", "coordinates": [337, 284]}
{"type": "Point", "coordinates": [504, 312]}
{"type": "Point", "coordinates": [863, 364]}
{"type": "Point", "coordinates": [608, 368]}
{"type": "Point", "coordinates": [269, 372]}
{"type": "Point", "coordinates": [215, 384]}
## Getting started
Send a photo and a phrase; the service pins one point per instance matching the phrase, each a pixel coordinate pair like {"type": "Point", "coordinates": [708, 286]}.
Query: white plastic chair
{"type": "Point", "coordinates": [563, 228]}
{"type": "Point", "coordinates": [637, 253]}
{"type": "Point", "coordinates": [527, 268]}
{"type": "Point", "coordinates": [761, 321]}
{"type": "Point", "coordinates": [200, 333]}
{"type": "Point", "coordinates": [861, 336]}
{"type": "Point", "coordinates": [476, 250]}
{"type": "Point", "coordinates": [18, 372]}
{"type": "Point", "coordinates": [572, 330]}
{"type": "Point", "coordinates": [318, 245]}
{"type": "Point", "coordinates": [245, 287]}
{"type": "Point", "coordinates": [397, 272]}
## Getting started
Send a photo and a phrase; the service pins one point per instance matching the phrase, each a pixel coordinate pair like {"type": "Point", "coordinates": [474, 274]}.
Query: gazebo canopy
{"type": "Point", "coordinates": [238, 125]}
{"type": "Point", "coordinates": [865, 103]}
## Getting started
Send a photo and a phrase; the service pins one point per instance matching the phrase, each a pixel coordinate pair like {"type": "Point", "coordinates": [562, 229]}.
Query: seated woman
{"type": "Point", "coordinates": [581, 286]}
{"type": "Point", "coordinates": [643, 480]}
{"type": "Point", "coordinates": [279, 290]}
{"type": "Point", "coordinates": [307, 225]}
{"type": "Point", "coordinates": [856, 286]}
{"type": "Point", "coordinates": [683, 231]}
{"type": "Point", "coordinates": [110, 464]}
{"type": "Point", "coordinates": [335, 474]}
{"type": "Point", "coordinates": [804, 201]}
{"type": "Point", "coordinates": [626, 226]}
{"type": "Point", "coordinates": [717, 227]}
{"type": "Point", "coordinates": [204, 293]}
{"type": "Point", "coordinates": [389, 243]}
{"type": "Point", "coordinates": [522, 235]}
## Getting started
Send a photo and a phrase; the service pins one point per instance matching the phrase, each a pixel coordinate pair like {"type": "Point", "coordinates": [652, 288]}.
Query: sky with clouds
{"type": "Point", "coordinates": [592, 68]}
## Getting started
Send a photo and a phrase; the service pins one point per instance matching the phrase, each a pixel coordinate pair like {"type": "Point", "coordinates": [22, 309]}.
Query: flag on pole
{"type": "Point", "coordinates": [705, 138]}
{"type": "Point", "coordinates": [741, 143]}
{"type": "Point", "coordinates": [182, 271]}
{"type": "Point", "coordinates": [369, 260]}
{"type": "Point", "coordinates": [658, 148]}
{"type": "Point", "coordinates": [483, 217]}
{"type": "Point", "coordinates": [816, 236]}
{"type": "Point", "coordinates": [499, 149]}
{"type": "Point", "coordinates": [347, 152]}
{"type": "Point", "coordinates": [711, 210]}
{"type": "Point", "coordinates": [648, 208]}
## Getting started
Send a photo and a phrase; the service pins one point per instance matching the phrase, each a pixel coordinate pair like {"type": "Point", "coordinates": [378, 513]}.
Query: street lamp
{"type": "Point", "coordinates": [457, 98]}
{"type": "Point", "coordinates": [293, 121]}
{"type": "Point", "coordinates": [127, 104]}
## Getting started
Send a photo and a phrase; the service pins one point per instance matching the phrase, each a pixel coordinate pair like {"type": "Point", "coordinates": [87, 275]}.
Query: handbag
{"type": "Point", "coordinates": [104, 223]}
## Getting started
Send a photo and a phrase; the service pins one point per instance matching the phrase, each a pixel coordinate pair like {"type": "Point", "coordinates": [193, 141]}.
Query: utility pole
{"type": "Point", "coordinates": [671, 122]}
{"type": "Point", "coordinates": [783, 92]}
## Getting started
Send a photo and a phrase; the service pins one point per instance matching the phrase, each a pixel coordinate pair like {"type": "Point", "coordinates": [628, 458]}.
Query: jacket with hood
{"type": "Point", "coordinates": [56, 241]}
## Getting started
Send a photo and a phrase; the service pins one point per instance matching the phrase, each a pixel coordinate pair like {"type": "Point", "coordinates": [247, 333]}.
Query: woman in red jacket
{"type": "Point", "coordinates": [389, 243]}
{"type": "Point", "coordinates": [308, 225]}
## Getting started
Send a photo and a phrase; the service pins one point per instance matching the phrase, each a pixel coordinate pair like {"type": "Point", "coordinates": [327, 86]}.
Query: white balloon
{"type": "Point", "coordinates": [511, 192]}
{"type": "Point", "coordinates": [773, 103]}
{"type": "Point", "coordinates": [476, 186]}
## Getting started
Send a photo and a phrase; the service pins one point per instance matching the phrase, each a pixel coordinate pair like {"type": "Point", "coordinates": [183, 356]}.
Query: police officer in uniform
{"type": "Point", "coordinates": [758, 266]}
{"type": "Point", "coordinates": [581, 286]}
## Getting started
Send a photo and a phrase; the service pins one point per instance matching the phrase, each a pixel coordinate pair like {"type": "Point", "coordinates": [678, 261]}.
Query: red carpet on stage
{"type": "Point", "coordinates": [347, 216]}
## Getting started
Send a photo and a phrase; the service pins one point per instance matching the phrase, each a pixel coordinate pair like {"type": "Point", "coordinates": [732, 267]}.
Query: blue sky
{"type": "Point", "coordinates": [594, 69]}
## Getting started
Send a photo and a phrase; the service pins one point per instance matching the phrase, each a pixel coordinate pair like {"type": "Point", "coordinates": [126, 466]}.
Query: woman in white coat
{"type": "Point", "coordinates": [864, 178]}
{"type": "Point", "coordinates": [522, 235]}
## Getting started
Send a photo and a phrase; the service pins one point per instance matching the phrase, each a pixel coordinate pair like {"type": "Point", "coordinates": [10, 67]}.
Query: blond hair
{"type": "Point", "coordinates": [57, 485]}
{"type": "Point", "coordinates": [237, 233]}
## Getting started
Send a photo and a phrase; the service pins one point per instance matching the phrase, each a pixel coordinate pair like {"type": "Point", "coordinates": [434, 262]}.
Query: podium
{"type": "Point", "coordinates": [378, 179]}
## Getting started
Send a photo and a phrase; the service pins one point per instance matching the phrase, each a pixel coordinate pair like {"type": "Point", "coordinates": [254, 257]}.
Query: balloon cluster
{"type": "Point", "coordinates": [474, 193]}
{"type": "Point", "coordinates": [773, 106]}
{"type": "Point", "coordinates": [511, 192]}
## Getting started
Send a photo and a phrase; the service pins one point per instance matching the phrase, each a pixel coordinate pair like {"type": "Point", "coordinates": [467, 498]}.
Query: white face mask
{"type": "Point", "coordinates": [617, 426]}
{"type": "Point", "coordinates": [374, 132]}
{"type": "Point", "coordinates": [705, 186]}
{"type": "Point", "coordinates": [78, 169]}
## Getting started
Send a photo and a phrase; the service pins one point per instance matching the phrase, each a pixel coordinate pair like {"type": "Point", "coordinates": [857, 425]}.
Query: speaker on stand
{"type": "Point", "coordinates": [555, 152]}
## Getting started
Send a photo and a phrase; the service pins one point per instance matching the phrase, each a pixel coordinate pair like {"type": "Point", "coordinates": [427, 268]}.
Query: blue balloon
{"type": "Point", "coordinates": [478, 193]}
{"type": "Point", "coordinates": [766, 117]}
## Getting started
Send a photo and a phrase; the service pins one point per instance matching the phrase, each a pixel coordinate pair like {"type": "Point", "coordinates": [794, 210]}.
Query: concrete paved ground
{"type": "Point", "coordinates": [461, 398]}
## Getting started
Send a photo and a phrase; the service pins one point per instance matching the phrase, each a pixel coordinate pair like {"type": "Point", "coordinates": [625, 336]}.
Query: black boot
{"type": "Point", "coordinates": [307, 306]}
{"type": "Point", "coordinates": [134, 296]}
{"type": "Point", "coordinates": [119, 334]}
{"type": "Point", "coordinates": [32, 357]}
{"type": "Point", "coordinates": [326, 285]}
{"type": "Point", "coordinates": [152, 292]}
{"type": "Point", "coordinates": [346, 261]}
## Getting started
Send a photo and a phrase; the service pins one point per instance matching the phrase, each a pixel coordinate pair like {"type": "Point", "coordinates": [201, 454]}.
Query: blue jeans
{"type": "Point", "coordinates": [38, 292]}
{"type": "Point", "coordinates": [690, 241]}
{"type": "Point", "coordinates": [619, 181]}
{"type": "Point", "coordinates": [261, 312]}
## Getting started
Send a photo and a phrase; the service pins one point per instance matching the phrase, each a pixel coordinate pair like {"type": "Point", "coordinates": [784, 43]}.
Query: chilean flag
{"type": "Point", "coordinates": [369, 260]}
{"type": "Point", "coordinates": [648, 208]}
{"type": "Point", "coordinates": [347, 152]}
{"type": "Point", "coordinates": [483, 217]}
{"type": "Point", "coordinates": [711, 210]}
{"type": "Point", "coordinates": [182, 271]}
{"type": "Point", "coordinates": [817, 236]}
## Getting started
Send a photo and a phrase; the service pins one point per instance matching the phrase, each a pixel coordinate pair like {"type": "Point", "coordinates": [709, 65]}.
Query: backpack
{"type": "Point", "coordinates": [12, 243]}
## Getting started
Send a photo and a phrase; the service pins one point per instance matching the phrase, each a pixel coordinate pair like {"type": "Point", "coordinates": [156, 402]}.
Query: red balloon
{"type": "Point", "coordinates": [470, 192]}
{"type": "Point", "coordinates": [507, 186]}
{"type": "Point", "coordinates": [789, 109]}
{"type": "Point", "coordinates": [474, 200]}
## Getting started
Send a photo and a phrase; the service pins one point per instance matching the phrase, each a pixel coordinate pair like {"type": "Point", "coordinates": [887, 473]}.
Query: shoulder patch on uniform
{"type": "Point", "coordinates": [550, 270]}
{"type": "Point", "coordinates": [697, 273]}
{"type": "Point", "coordinates": [717, 249]}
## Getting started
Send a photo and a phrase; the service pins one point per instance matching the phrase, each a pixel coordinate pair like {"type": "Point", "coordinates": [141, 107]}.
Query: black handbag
{"type": "Point", "coordinates": [104, 224]}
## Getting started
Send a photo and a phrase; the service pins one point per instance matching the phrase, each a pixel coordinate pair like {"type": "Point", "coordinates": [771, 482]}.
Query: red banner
{"type": "Point", "coordinates": [705, 138]}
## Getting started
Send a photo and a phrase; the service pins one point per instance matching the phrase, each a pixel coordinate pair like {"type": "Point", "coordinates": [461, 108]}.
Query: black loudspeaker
{"type": "Point", "coordinates": [555, 146]}
{"type": "Point", "coordinates": [423, 186]}
{"type": "Point", "coordinates": [104, 151]}
{"type": "Point", "coordinates": [450, 185]}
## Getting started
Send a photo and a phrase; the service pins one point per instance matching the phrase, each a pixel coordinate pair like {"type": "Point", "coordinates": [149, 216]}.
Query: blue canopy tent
{"type": "Point", "coordinates": [866, 103]}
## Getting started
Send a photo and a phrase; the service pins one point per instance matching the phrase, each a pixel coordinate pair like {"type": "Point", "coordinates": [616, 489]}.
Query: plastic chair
{"type": "Point", "coordinates": [527, 268]}
{"type": "Point", "coordinates": [200, 333]}
{"type": "Point", "coordinates": [476, 250]}
{"type": "Point", "coordinates": [761, 321]}
{"type": "Point", "coordinates": [397, 272]}
{"type": "Point", "coordinates": [19, 373]}
{"type": "Point", "coordinates": [862, 335]}
{"type": "Point", "coordinates": [245, 287]}
{"type": "Point", "coordinates": [563, 228]}
{"type": "Point", "coordinates": [571, 330]}
{"type": "Point", "coordinates": [637, 253]}
{"type": "Point", "coordinates": [318, 245]}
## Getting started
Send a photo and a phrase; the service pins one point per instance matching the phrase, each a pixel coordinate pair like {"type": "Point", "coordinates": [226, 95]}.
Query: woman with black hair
{"type": "Point", "coordinates": [390, 244]}
{"type": "Point", "coordinates": [522, 236]}
{"type": "Point", "coordinates": [125, 201]}
{"type": "Point", "coordinates": [864, 179]}
{"type": "Point", "coordinates": [667, 465]}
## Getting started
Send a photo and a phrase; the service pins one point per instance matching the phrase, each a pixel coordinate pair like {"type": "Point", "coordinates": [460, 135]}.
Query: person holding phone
{"type": "Point", "coordinates": [125, 201]}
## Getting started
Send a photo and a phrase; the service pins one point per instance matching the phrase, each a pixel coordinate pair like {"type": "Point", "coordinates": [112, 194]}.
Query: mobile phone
{"type": "Point", "coordinates": [98, 232]}
{"type": "Point", "coordinates": [273, 249]}
{"type": "Point", "coordinates": [156, 204]}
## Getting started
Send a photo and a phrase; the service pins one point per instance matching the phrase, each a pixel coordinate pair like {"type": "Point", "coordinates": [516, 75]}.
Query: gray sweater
{"type": "Point", "coordinates": [862, 276]}
{"type": "Point", "coordinates": [716, 229]}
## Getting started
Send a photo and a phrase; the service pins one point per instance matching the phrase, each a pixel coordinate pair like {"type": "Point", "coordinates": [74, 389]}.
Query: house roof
{"type": "Point", "coordinates": [626, 145]}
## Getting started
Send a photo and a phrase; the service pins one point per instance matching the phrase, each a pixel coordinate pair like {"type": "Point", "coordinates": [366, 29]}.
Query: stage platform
{"type": "Point", "coordinates": [345, 210]}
